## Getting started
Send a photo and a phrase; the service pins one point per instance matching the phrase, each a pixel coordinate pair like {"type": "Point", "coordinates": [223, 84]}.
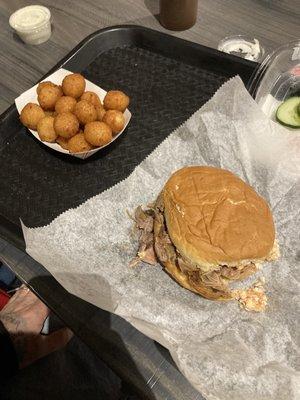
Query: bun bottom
{"type": "Point", "coordinates": [183, 280]}
{"type": "Point", "coordinates": [167, 257]}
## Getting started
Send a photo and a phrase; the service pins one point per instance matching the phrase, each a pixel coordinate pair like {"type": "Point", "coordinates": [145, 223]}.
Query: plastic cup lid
{"type": "Point", "coordinates": [29, 18]}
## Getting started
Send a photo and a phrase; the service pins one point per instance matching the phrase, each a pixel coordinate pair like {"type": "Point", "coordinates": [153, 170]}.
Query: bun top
{"type": "Point", "coordinates": [214, 218]}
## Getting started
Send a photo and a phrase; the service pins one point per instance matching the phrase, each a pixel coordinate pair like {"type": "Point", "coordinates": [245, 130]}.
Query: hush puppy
{"type": "Point", "coordinates": [91, 97]}
{"type": "Point", "coordinates": [65, 104]}
{"type": "Point", "coordinates": [85, 112]}
{"type": "Point", "coordinates": [31, 115]}
{"type": "Point", "coordinates": [66, 125]}
{"type": "Point", "coordinates": [41, 85]}
{"type": "Point", "coordinates": [78, 144]}
{"type": "Point", "coordinates": [100, 112]}
{"type": "Point", "coordinates": [97, 133]}
{"type": "Point", "coordinates": [116, 100]}
{"type": "Point", "coordinates": [48, 96]}
{"type": "Point", "coordinates": [63, 142]}
{"type": "Point", "coordinates": [73, 85]}
{"type": "Point", "coordinates": [45, 129]}
{"type": "Point", "coordinates": [50, 113]}
{"type": "Point", "coordinates": [115, 119]}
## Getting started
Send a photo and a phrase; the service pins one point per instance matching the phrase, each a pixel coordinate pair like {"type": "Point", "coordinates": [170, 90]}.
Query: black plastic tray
{"type": "Point", "coordinates": [167, 80]}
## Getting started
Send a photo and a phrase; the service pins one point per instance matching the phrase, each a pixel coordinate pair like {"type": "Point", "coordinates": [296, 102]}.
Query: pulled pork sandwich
{"type": "Point", "coordinates": [207, 228]}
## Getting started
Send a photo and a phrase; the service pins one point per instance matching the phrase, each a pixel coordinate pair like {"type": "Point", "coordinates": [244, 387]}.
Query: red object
{"type": "Point", "coordinates": [296, 70]}
{"type": "Point", "coordinates": [4, 299]}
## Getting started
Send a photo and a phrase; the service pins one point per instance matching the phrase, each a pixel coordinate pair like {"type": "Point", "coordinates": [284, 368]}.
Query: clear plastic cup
{"type": "Point", "coordinates": [32, 24]}
{"type": "Point", "coordinates": [277, 78]}
{"type": "Point", "coordinates": [242, 46]}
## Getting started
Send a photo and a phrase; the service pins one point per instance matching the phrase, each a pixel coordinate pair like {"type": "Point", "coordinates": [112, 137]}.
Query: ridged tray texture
{"type": "Point", "coordinates": [38, 184]}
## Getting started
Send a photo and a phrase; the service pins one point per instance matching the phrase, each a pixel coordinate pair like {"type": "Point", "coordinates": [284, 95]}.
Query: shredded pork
{"type": "Point", "coordinates": [161, 248]}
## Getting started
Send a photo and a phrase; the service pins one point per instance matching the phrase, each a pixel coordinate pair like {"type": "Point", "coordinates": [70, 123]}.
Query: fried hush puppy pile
{"type": "Point", "coordinates": [74, 118]}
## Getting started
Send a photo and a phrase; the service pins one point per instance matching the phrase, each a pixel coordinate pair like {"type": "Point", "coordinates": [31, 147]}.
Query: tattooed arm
{"type": "Point", "coordinates": [23, 318]}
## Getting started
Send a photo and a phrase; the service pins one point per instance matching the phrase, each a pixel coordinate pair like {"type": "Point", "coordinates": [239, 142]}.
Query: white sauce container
{"type": "Point", "coordinates": [32, 24]}
{"type": "Point", "coordinates": [242, 46]}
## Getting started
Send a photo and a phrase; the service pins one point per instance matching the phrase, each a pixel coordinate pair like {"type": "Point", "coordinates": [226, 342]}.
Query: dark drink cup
{"type": "Point", "coordinates": [178, 15]}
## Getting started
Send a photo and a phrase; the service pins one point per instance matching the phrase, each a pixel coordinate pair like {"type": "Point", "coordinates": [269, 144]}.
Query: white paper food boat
{"type": "Point", "coordinates": [30, 96]}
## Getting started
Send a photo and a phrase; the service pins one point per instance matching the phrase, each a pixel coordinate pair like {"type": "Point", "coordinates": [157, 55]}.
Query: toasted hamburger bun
{"type": "Point", "coordinates": [167, 257]}
{"type": "Point", "coordinates": [214, 218]}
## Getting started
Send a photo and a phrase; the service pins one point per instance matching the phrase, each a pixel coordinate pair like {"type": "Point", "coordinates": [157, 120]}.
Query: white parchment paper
{"type": "Point", "coordinates": [226, 353]}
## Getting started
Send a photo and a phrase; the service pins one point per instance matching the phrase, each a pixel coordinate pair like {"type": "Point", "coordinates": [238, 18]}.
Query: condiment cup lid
{"type": "Point", "coordinates": [29, 18]}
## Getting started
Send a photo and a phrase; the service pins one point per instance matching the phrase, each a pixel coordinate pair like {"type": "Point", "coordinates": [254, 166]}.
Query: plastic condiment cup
{"type": "Point", "coordinates": [242, 46]}
{"type": "Point", "coordinates": [32, 24]}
